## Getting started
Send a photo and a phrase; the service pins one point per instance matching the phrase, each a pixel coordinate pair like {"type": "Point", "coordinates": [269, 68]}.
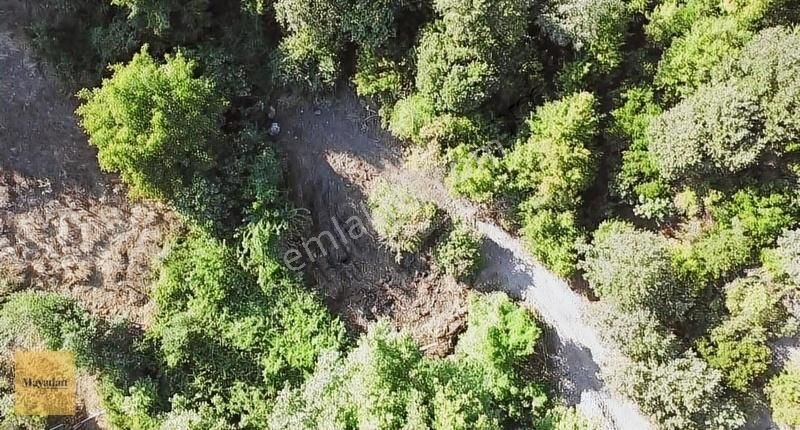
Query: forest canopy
{"type": "Point", "coordinates": [648, 151]}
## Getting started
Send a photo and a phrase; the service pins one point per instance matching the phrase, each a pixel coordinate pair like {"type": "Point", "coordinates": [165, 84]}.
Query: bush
{"type": "Point", "coordinates": [595, 27]}
{"type": "Point", "coordinates": [673, 18]}
{"type": "Point", "coordinates": [219, 327]}
{"type": "Point", "coordinates": [302, 63]}
{"type": "Point", "coordinates": [555, 162]}
{"type": "Point", "coordinates": [459, 254]}
{"type": "Point", "coordinates": [565, 418]}
{"type": "Point", "coordinates": [35, 320]}
{"type": "Point", "coordinates": [552, 237]}
{"type": "Point", "coordinates": [477, 177]}
{"type": "Point", "coordinates": [691, 59]}
{"type": "Point", "coordinates": [784, 395]}
{"type": "Point", "coordinates": [633, 269]}
{"type": "Point", "coordinates": [153, 123]}
{"type": "Point", "coordinates": [378, 77]}
{"type": "Point", "coordinates": [409, 116]}
{"type": "Point", "coordinates": [639, 181]}
{"type": "Point", "coordinates": [449, 131]}
{"type": "Point", "coordinates": [478, 387]}
{"type": "Point", "coordinates": [401, 219]}
{"type": "Point", "coordinates": [762, 214]}
{"type": "Point", "coordinates": [715, 255]}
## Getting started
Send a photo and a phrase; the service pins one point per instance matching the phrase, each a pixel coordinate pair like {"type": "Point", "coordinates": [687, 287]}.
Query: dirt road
{"type": "Point", "coordinates": [342, 144]}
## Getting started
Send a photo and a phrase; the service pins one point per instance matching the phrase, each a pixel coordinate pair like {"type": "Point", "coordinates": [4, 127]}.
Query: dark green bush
{"type": "Point", "coordinates": [459, 254]}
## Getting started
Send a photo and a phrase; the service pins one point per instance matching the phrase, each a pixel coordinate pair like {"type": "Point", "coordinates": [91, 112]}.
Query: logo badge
{"type": "Point", "coordinates": [44, 383]}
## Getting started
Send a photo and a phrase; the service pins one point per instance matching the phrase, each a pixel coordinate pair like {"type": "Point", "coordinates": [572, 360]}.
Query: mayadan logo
{"type": "Point", "coordinates": [44, 383]}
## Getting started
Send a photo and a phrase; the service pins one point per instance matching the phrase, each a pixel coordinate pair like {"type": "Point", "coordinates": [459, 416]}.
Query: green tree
{"type": "Point", "coordinates": [552, 236]}
{"type": "Point", "coordinates": [633, 269]}
{"type": "Point", "coordinates": [319, 30]}
{"type": "Point", "coordinates": [784, 395]}
{"type": "Point", "coordinates": [689, 62]}
{"type": "Point", "coordinates": [478, 387]}
{"type": "Point", "coordinates": [153, 123]}
{"type": "Point", "coordinates": [463, 57]}
{"type": "Point", "coordinates": [768, 70]}
{"type": "Point", "coordinates": [679, 394]}
{"type": "Point", "coordinates": [784, 260]}
{"type": "Point", "coordinates": [717, 130]}
{"type": "Point", "coordinates": [638, 334]}
{"type": "Point", "coordinates": [595, 27]}
{"type": "Point", "coordinates": [555, 161]}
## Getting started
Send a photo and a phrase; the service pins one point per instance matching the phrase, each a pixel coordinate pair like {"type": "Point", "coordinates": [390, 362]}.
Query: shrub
{"type": "Point", "coordinates": [477, 177]}
{"type": "Point", "coordinates": [565, 418]}
{"type": "Point", "coordinates": [50, 321]}
{"type": "Point", "coordinates": [449, 131]}
{"type": "Point", "coordinates": [716, 254]}
{"type": "Point", "coordinates": [478, 387]}
{"type": "Point", "coordinates": [673, 18]}
{"type": "Point", "coordinates": [762, 214]}
{"type": "Point", "coordinates": [459, 254]}
{"type": "Point", "coordinates": [409, 116]}
{"type": "Point", "coordinates": [378, 77]}
{"type": "Point", "coordinates": [300, 62]}
{"type": "Point", "coordinates": [552, 237]}
{"type": "Point", "coordinates": [218, 327]}
{"type": "Point", "coordinates": [555, 161]}
{"type": "Point", "coordinates": [633, 269]}
{"type": "Point", "coordinates": [639, 181]}
{"type": "Point", "coordinates": [153, 123]}
{"type": "Point", "coordinates": [784, 395]}
{"type": "Point", "coordinates": [401, 219]}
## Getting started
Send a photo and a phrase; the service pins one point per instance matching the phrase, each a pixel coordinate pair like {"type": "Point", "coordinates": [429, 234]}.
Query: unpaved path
{"type": "Point", "coordinates": [344, 141]}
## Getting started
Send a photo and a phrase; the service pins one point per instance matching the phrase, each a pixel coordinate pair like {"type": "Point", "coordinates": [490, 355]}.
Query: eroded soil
{"type": "Point", "coordinates": [65, 225]}
{"type": "Point", "coordinates": [333, 162]}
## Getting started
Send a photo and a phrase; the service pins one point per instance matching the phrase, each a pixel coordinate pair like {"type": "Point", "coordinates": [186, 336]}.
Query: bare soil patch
{"type": "Point", "coordinates": [65, 225]}
{"type": "Point", "coordinates": [333, 162]}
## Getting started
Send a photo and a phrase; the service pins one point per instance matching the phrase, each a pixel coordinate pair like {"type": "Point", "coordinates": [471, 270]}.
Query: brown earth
{"type": "Point", "coordinates": [65, 225]}
{"type": "Point", "coordinates": [333, 162]}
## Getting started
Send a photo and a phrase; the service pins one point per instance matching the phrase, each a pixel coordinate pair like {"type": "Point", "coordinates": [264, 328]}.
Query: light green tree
{"type": "Point", "coordinates": [153, 123]}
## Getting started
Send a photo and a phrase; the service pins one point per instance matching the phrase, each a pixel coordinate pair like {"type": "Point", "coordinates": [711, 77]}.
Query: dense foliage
{"type": "Point", "coordinates": [650, 147]}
